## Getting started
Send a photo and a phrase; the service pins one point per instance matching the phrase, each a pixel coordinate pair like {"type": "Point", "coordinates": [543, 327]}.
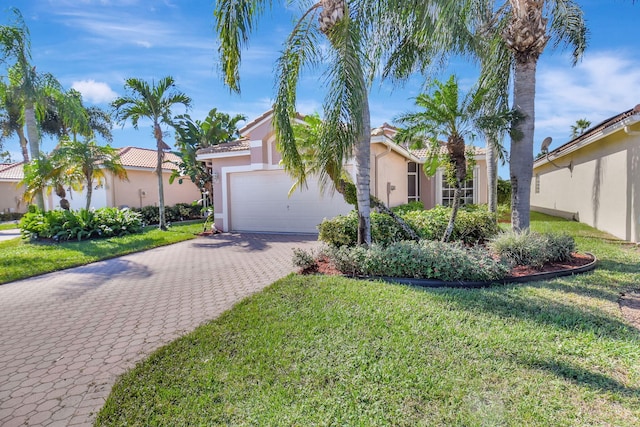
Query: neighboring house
{"type": "Point", "coordinates": [595, 178]}
{"type": "Point", "coordinates": [140, 190]}
{"type": "Point", "coordinates": [10, 191]}
{"type": "Point", "coordinates": [251, 187]}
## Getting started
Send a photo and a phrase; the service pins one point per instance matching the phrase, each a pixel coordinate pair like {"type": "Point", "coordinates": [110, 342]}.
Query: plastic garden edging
{"type": "Point", "coordinates": [433, 283]}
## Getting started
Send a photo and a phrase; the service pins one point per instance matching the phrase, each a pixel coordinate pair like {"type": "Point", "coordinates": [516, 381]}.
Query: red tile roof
{"type": "Point", "coordinates": [227, 147]}
{"type": "Point", "coordinates": [146, 158]}
{"type": "Point", "coordinates": [11, 172]}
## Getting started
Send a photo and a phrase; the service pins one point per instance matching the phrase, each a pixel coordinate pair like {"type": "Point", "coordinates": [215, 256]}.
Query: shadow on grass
{"type": "Point", "coordinates": [581, 376]}
{"type": "Point", "coordinates": [507, 302]}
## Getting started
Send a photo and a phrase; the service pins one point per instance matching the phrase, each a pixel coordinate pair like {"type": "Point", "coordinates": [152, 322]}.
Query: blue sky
{"type": "Point", "coordinates": [94, 45]}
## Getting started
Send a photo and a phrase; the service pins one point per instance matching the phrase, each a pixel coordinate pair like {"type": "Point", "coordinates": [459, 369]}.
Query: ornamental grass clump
{"type": "Point", "coordinates": [531, 248]}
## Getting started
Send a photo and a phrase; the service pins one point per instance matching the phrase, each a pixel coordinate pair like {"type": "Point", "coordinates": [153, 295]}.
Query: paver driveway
{"type": "Point", "coordinates": [66, 336]}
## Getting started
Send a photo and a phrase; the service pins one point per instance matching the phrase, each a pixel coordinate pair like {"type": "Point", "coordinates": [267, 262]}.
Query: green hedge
{"type": "Point", "coordinates": [176, 213]}
{"type": "Point", "coordinates": [82, 224]}
{"type": "Point", "coordinates": [422, 260]}
{"type": "Point", "coordinates": [473, 224]}
{"type": "Point", "coordinates": [10, 216]}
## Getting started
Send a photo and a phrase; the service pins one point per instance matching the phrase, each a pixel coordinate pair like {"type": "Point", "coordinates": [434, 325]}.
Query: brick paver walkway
{"type": "Point", "coordinates": [66, 336]}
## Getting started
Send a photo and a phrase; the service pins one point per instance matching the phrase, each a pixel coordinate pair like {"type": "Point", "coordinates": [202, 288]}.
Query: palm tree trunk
{"type": "Point", "coordinates": [457, 193]}
{"type": "Point", "coordinates": [89, 193]}
{"type": "Point", "coordinates": [162, 222]}
{"type": "Point", "coordinates": [521, 154]}
{"type": "Point", "coordinates": [363, 174]}
{"type": "Point", "coordinates": [34, 141]}
{"type": "Point", "coordinates": [492, 175]}
{"type": "Point", "coordinates": [24, 144]}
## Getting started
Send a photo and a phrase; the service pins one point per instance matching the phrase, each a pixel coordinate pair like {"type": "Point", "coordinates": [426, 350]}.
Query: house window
{"type": "Point", "coordinates": [444, 196]}
{"type": "Point", "coordinates": [413, 182]}
{"type": "Point", "coordinates": [537, 183]}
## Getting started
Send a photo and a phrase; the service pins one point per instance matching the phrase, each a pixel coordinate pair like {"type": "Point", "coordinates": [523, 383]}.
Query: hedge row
{"type": "Point", "coordinates": [473, 224]}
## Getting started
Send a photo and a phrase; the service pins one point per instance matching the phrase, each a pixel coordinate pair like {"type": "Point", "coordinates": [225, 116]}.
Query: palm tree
{"type": "Point", "coordinates": [153, 102]}
{"type": "Point", "coordinates": [346, 109]}
{"type": "Point", "coordinates": [192, 135]}
{"type": "Point", "coordinates": [531, 24]}
{"type": "Point", "coordinates": [89, 161]}
{"type": "Point", "coordinates": [443, 114]}
{"type": "Point", "coordinates": [45, 174]}
{"type": "Point", "coordinates": [523, 26]}
{"type": "Point", "coordinates": [32, 87]}
{"type": "Point", "coordinates": [12, 119]}
{"type": "Point", "coordinates": [579, 128]}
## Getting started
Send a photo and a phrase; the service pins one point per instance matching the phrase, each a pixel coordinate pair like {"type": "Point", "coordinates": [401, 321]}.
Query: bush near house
{"type": "Point", "coordinates": [81, 225]}
{"type": "Point", "coordinates": [421, 260]}
{"type": "Point", "coordinates": [474, 224]}
{"type": "Point", "coordinates": [532, 249]}
{"type": "Point", "coordinates": [10, 216]}
{"type": "Point", "coordinates": [176, 213]}
{"type": "Point", "coordinates": [443, 260]}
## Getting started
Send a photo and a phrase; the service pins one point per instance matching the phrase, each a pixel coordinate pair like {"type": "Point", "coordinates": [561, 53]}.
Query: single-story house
{"type": "Point", "coordinates": [140, 190]}
{"type": "Point", "coordinates": [251, 187]}
{"type": "Point", "coordinates": [10, 191]}
{"type": "Point", "coordinates": [595, 177]}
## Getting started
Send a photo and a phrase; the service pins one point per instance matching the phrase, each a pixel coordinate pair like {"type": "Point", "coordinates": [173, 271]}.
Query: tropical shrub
{"type": "Point", "coordinates": [474, 224]}
{"type": "Point", "coordinates": [408, 207]}
{"type": "Point", "coordinates": [303, 259]}
{"type": "Point", "coordinates": [532, 249]}
{"type": "Point", "coordinates": [424, 260]}
{"type": "Point", "coordinates": [176, 213]}
{"type": "Point", "coordinates": [81, 224]}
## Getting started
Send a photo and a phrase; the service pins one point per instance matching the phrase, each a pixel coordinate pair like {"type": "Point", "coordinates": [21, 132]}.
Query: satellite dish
{"type": "Point", "coordinates": [545, 145]}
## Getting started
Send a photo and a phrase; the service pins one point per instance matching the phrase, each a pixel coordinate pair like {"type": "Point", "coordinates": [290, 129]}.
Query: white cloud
{"type": "Point", "coordinates": [602, 85]}
{"type": "Point", "coordinates": [94, 92]}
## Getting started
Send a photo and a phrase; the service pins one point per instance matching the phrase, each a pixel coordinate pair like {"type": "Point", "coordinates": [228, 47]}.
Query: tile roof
{"type": "Point", "coordinates": [146, 158]}
{"type": "Point", "coordinates": [597, 128]}
{"type": "Point", "coordinates": [11, 172]}
{"type": "Point", "coordinates": [423, 152]}
{"type": "Point", "coordinates": [242, 144]}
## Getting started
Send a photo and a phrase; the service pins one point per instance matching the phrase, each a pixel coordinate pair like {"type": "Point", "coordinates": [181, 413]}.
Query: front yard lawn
{"type": "Point", "coordinates": [314, 350]}
{"type": "Point", "coordinates": [20, 259]}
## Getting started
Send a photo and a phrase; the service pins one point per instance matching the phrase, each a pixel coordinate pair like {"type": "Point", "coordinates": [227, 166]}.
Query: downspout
{"type": "Point", "coordinates": [628, 131]}
{"type": "Point", "coordinates": [379, 156]}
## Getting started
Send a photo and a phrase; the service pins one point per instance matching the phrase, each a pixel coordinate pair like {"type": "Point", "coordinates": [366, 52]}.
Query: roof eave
{"type": "Point", "coordinates": [571, 147]}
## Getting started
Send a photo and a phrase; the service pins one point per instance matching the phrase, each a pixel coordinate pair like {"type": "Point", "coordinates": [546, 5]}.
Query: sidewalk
{"type": "Point", "coordinates": [9, 234]}
{"type": "Point", "coordinates": [66, 336]}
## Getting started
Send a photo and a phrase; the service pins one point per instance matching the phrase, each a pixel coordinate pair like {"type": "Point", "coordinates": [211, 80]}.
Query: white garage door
{"type": "Point", "coordinates": [259, 202]}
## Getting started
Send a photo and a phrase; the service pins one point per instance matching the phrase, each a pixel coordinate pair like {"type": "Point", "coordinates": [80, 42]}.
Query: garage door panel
{"type": "Point", "coordinates": [259, 202]}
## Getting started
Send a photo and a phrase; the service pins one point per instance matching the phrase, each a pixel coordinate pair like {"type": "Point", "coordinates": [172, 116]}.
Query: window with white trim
{"type": "Point", "coordinates": [446, 191]}
{"type": "Point", "coordinates": [413, 182]}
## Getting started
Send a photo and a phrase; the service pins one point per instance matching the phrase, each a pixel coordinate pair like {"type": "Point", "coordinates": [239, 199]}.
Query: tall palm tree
{"type": "Point", "coordinates": [153, 102]}
{"type": "Point", "coordinates": [524, 27]}
{"type": "Point", "coordinates": [89, 161]}
{"type": "Point", "coordinates": [531, 23]}
{"type": "Point", "coordinates": [12, 118]}
{"type": "Point", "coordinates": [32, 87]}
{"type": "Point", "coordinates": [346, 109]}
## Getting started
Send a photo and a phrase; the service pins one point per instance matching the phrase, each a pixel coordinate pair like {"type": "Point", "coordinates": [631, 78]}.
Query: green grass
{"type": "Point", "coordinates": [21, 259]}
{"type": "Point", "coordinates": [334, 351]}
{"type": "Point", "coordinates": [8, 225]}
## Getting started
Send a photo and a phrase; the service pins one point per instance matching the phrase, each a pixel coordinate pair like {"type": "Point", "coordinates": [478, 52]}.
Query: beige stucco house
{"type": "Point", "coordinates": [140, 190]}
{"type": "Point", "coordinates": [595, 178]}
{"type": "Point", "coordinates": [10, 190]}
{"type": "Point", "coordinates": [251, 188]}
